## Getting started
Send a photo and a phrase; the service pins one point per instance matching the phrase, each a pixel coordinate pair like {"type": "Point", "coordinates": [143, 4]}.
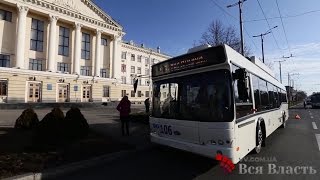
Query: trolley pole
{"type": "Point", "coordinates": [240, 3]}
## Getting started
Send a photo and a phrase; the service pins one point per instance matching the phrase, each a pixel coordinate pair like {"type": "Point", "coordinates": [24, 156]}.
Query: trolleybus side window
{"type": "Point", "coordinates": [271, 96]}
{"type": "Point", "coordinates": [263, 87]}
{"type": "Point", "coordinates": [283, 96]}
{"type": "Point", "coordinates": [266, 95]}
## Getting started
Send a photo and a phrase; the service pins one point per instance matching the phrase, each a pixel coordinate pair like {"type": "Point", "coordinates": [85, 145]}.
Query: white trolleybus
{"type": "Point", "coordinates": [216, 101]}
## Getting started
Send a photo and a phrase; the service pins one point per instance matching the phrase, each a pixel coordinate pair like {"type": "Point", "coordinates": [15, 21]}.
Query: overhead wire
{"type": "Point", "coordinates": [265, 18]}
{"type": "Point", "coordinates": [284, 30]}
{"type": "Point", "coordinates": [284, 17]}
{"type": "Point", "coordinates": [229, 14]}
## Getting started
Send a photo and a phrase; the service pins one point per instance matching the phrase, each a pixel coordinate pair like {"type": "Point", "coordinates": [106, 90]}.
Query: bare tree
{"type": "Point", "coordinates": [218, 34]}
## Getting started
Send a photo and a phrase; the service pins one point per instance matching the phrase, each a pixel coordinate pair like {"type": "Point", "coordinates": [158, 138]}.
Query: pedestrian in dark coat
{"type": "Point", "coordinates": [147, 105]}
{"type": "Point", "coordinates": [124, 107]}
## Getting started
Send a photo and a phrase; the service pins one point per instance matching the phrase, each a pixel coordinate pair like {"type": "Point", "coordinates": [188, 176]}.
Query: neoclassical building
{"type": "Point", "coordinates": [68, 51]}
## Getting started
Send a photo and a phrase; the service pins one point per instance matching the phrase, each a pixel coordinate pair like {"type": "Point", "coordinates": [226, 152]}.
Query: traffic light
{"type": "Point", "coordinates": [135, 85]}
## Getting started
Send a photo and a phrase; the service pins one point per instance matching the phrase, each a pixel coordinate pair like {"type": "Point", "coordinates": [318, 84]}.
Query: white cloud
{"type": "Point", "coordinates": [306, 62]}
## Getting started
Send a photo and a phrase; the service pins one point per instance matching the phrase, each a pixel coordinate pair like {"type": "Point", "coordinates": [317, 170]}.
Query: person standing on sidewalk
{"type": "Point", "coordinates": [147, 105]}
{"type": "Point", "coordinates": [124, 107]}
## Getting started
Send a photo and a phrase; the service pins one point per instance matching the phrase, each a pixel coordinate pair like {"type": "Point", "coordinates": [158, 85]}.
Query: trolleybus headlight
{"type": "Point", "coordinates": [227, 141]}
{"type": "Point", "coordinates": [220, 142]}
{"type": "Point", "coordinates": [213, 142]}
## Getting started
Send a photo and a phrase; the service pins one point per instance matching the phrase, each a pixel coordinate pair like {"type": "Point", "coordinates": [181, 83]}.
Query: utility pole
{"type": "Point", "coordinates": [261, 36]}
{"type": "Point", "coordinates": [284, 57]}
{"type": "Point", "coordinates": [280, 69]}
{"type": "Point", "coordinates": [289, 83]}
{"type": "Point", "coordinates": [150, 72]}
{"type": "Point", "coordinates": [239, 3]}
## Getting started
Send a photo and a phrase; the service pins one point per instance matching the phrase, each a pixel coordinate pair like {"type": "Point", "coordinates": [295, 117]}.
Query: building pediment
{"type": "Point", "coordinates": [87, 8]}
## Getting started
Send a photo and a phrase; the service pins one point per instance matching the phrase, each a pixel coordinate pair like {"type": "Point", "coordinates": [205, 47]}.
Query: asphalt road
{"type": "Point", "coordinates": [294, 152]}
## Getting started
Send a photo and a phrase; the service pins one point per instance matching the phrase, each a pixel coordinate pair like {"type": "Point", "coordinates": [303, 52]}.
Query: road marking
{"type": "Point", "coordinates": [318, 140]}
{"type": "Point", "coordinates": [314, 125]}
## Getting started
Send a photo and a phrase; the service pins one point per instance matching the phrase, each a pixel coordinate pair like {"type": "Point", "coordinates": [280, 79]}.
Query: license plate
{"type": "Point", "coordinates": [163, 129]}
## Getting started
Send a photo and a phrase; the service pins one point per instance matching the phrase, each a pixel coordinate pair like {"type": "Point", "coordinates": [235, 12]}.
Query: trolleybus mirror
{"type": "Point", "coordinates": [241, 76]}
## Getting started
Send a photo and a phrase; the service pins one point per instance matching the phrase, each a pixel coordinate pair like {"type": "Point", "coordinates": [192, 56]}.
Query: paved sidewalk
{"type": "Point", "coordinates": [102, 120]}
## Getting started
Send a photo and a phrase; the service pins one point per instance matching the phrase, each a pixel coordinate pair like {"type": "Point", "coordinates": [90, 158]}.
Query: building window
{"type": "Point", "coordinates": [63, 67]}
{"type": "Point", "coordinates": [104, 73]}
{"type": "Point", "coordinates": [35, 64]}
{"type": "Point", "coordinates": [139, 58]}
{"type": "Point", "coordinates": [104, 42]}
{"type": "Point", "coordinates": [106, 91]}
{"type": "Point", "coordinates": [147, 93]}
{"type": "Point", "coordinates": [147, 60]}
{"type": "Point", "coordinates": [139, 81]}
{"type": "Point", "coordinates": [132, 80]}
{"type": "Point", "coordinates": [123, 68]}
{"type": "Point", "coordinates": [133, 94]}
{"type": "Point", "coordinates": [139, 94]}
{"type": "Point", "coordinates": [124, 55]}
{"type": "Point", "coordinates": [139, 70]}
{"type": "Point", "coordinates": [4, 60]}
{"type": "Point", "coordinates": [133, 69]}
{"type": "Point", "coordinates": [63, 41]}
{"type": "Point", "coordinates": [85, 47]}
{"type": "Point", "coordinates": [133, 57]}
{"type": "Point", "coordinates": [147, 72]}
{"type": "Point", "coordinates": [36, 42]}
{"type": "Point", "coordinates": [85, 71]}
{"type": "Point", "coordinates": [123, 80]}
{"type": "Point", "coordinates": [3, 87]}
{"type": "Point", "coordinates": [5, 15]}
{"type": "Point", "coordinates": [123, 93]}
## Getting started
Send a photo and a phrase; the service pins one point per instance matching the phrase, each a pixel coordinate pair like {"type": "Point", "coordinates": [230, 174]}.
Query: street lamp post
{"type": "Point", "coordinates": [261, 36]}
{"type": "Point", "coordinates": [144, 76]}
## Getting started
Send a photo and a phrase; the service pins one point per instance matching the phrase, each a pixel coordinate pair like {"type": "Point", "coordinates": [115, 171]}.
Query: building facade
{"type": "Point", "coordinates": [66, 51]}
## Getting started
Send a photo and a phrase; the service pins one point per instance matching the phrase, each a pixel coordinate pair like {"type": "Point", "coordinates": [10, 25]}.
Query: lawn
{"type": "Point", "coordinates": [19, 155]}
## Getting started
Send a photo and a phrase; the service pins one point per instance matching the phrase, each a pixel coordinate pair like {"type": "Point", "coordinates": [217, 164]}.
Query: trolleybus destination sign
{"type": "Point", "coordinates": [210, 56]}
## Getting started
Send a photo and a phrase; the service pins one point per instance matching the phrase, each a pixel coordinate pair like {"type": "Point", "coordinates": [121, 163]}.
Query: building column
{"type": "Point", "coordinates": [115, 65]}
{"type": "Point", "coordinates": [77, 50]}
{"type": "Point", "coordinates": [21, 36]}
{"type": "Point", "coordinates": [98, 53]}
{"type": "Point", "coordinates": [52, 44]}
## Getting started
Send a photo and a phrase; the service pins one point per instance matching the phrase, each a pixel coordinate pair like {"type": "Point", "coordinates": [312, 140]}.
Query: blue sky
{"type": "Point", "coordinates": [175, 25]}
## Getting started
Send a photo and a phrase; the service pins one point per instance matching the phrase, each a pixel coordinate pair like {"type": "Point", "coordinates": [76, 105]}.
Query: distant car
{"type": "Point", "coordinates": [308, 101]}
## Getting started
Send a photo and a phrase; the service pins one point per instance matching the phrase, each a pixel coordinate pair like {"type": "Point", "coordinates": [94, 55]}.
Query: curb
{"type": "Point", "coordinates": [72, 167]}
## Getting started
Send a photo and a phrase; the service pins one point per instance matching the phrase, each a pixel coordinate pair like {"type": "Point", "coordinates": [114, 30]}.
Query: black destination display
{"type": "Point", "coordinates": [210, 56]}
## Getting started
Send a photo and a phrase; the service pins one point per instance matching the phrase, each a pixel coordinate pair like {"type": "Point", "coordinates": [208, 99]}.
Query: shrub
{"type": "Point", "coordinates": [77, 125]}
{"type": "Point", "coordinates": [27, 120]}
{"type": "Point", "coordinates": [51, 129]}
